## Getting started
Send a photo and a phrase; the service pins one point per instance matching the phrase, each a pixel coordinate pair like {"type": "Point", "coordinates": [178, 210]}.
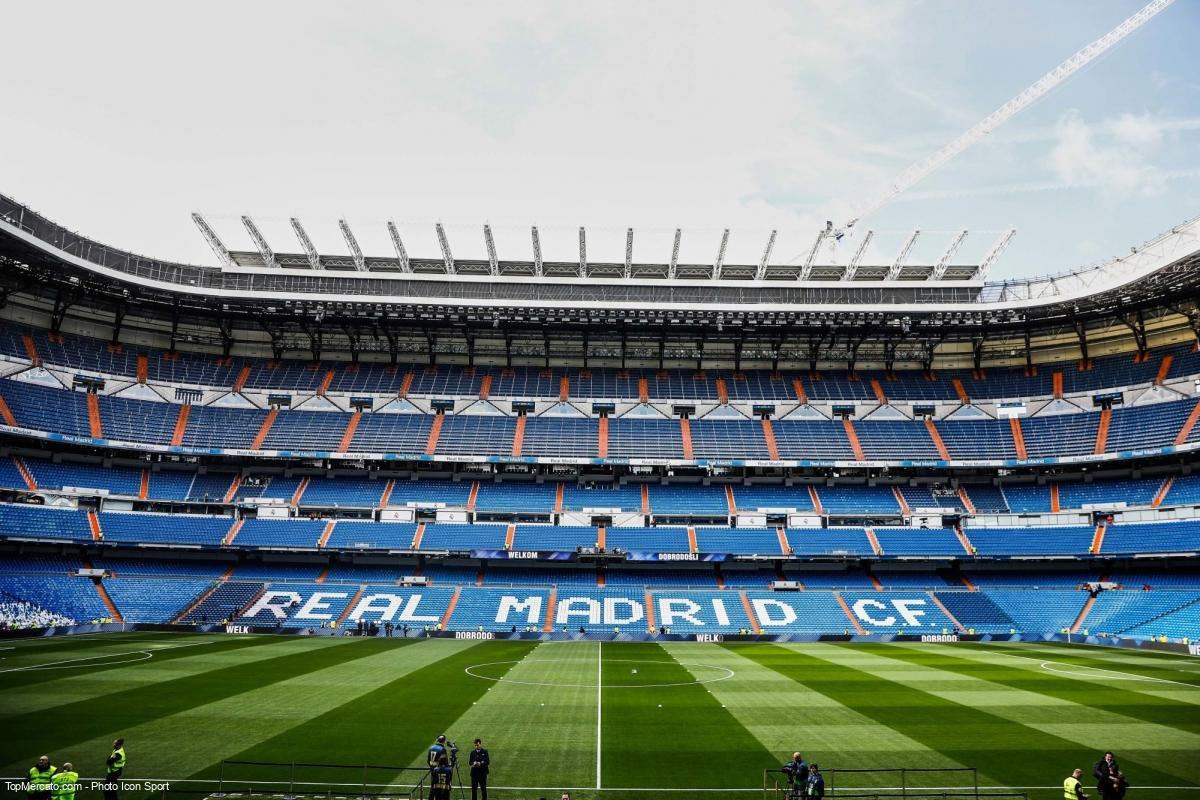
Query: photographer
{"type": "Point", "coordinates": [797, 774]}
{"type": "Point", "coordinates": [480, 766]}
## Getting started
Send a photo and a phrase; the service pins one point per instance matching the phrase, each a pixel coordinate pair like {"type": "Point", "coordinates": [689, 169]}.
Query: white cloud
{"type": "Point", "coordinates": [1114, 156]}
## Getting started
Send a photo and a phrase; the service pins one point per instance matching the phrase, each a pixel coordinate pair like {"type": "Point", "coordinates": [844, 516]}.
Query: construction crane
{"type": "Point", "coordinates": [906, 179]}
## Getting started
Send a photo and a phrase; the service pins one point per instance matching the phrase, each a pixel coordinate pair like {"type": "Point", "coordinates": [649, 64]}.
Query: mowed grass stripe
{"type": "Point", "coordinates": [1054, 705]}
{"type": "Point", "coordinates": [1058, 732]}
{"type": "Point", "coordinates": [1005, 753]}
{"type": "Point", "coordinates": [82, 684]}
{"type": "Point", "coordinates": [786, 716]}
{"type": "Point", "coordinates": [539, 722]}
{"type": "Point", "coordinates": [98, 655]}
{"type": "Point", "coordinates": [689, 742]}
{"type": "Point", "coordinates": [393, 723]}
{"type": "Point", "coordinates": [1175, 679]}
{"type": "Point", "coordinates": [120, 711]}
{"type": "Point", "coordinates": [191, 741]}
{"type": "Point", "coordinates": [1123, 697]}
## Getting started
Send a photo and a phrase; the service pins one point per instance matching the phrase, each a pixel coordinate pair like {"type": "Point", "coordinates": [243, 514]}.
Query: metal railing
{"type": "Point", "coordinates": [902, 787]}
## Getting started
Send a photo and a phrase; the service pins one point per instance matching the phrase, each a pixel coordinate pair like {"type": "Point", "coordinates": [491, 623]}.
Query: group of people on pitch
{"type": "Point", "coordinates": [443, 758]}
{"type": "Point", "coordinates": [48, 782]}
{"type": "Point", "coordinates": [1110, 781]}
{"type": "Point", "coordinates": [804, 779]}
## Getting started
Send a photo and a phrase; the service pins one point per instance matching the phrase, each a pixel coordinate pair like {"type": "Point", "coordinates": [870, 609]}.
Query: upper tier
{"type": "Point", "coordinates": [147, 364]}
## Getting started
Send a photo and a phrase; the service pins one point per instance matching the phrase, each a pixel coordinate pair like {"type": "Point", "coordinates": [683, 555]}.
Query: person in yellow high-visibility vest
{"type": "Point", "coordinates": [65, 783]}
{"type": "Point", "coordinates": [115, 766]}
{"type": "Point", "coordinates": [1072, 788]}
{"type": "Point", "coordinates": [40, 775]}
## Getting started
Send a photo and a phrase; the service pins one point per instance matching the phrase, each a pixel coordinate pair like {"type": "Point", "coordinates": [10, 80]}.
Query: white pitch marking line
{"type": "Point", "coordinates": [599, 695]}
{"type": "Point", "coordinates": [1122, 675]}
{"type": "Point", "coordinates": [65, 664]}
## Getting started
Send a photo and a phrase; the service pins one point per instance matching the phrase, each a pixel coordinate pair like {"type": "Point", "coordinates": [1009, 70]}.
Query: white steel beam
{"type": "Point", "coordinates": [985, 266]}
{"type": "Point", "coordinates": [360, 263]}
{"type": "Point", "coordinates": [214, 242]}
{"type": "Point", "coordinates": [447, 256]}
{"type": "Point", "coordinates": [398, 244]}
{"type": "Point", "coordinates": [493, 262]}
{"type": "Point", "coordinates": [806, 269]}
{"type": "Point", "coordinates": [582, 252]}
{"type": "Point", "coordinates": [898, 264]}
{"type": "Point", "coordinates": [538, 267]}
{"type": "Point", "coordinates": [856, 259]}
{"type": "Point", "coordinates": [314, 259]}
{"type": "Point", "coordinates": [674, 255]}
{"type": "Point", "coordinates": [720, 262]}
{"type": "Point", "coordinates": [264, 249]}
{"type": "Point", "coordinates": [939, 269]}
{"type": "Point", "coordinates": [761, 272]}
{"type": "Point", "coordinates": [629, 252]}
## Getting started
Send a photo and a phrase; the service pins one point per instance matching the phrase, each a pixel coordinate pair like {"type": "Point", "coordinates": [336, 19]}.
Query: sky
{"type": "Point", "coordinates": [119, 119]}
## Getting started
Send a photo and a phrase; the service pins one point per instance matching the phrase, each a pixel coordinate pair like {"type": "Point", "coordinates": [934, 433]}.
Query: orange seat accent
{"type": "Point", "coordinates": [518, 435]}
{"type": "Point", "coordinates": [233, 531]}
{"type": "Point", "coordinates": [405, 384]}
{"type": "Point", "coordinates": [450, 608]}
{"type": "Point", "coordinates": [299, 493]}
{"type": "Point", "coordinates": [692, 546]}
{"type": "Point", "coordinates": [730, 501]}
{"type": "Point", "coordinates": [961, 391]}
{"type": "Point", "coordinates": [798, 388]}
{"type": "Point", "coordinates": [602, 443]}
{"type": "Point", "coordinates": [325, 534]}
{"type": "Point", "coordinates": [351, 427]}
{"type": "Point", "coordinates": [1054, 506]}
{"type": "Point", "coordinates": [936, 436]}
{"type": "Point", "coordinates": [181, 422]}
{"type": "Point", "coordinates": [326, 382]}
{"type": "Point", "coordinates": [967, 502]}
{"type": "Point", "coordinates": [418, 534]}
{"type": "Point", "coordinates": [1163, 491]}
{"type": "Point", "coordinates": [1102, 431]}
{"type": "Point", "coordinates": [722, 391]}
{"type": "Point", "coordinates": [816, 498]}
{"type": "Point", "coordinates": [1018, 437]}
{"type": "Point", "coordinates": [551, 602]}
{"type": "Point", "coordinates": [1164, 368]}
{"type": "Point", "coordinates": [1098, 539]}
{"type": "Point", "coordinates": [143, 369]}
{"type": "Point", "coordinates": [435, 431]}
{"type": "Point", "coordinates": [1057, 382]}
{"type": "Point", "coordinates": [877, 388]}
{"type": "Point", "coordinates": [94, 524]}
{"type": "Point", "coordinates": [852, 435]}
{"type": "Point", "coordinates": [685, 430]}
{"type": "Point", "coordinates": [349, 607]}
{"type": "Point", "coordinates": [7, 415]}
{"type": "Point", "coordinates": [643, 390]}
{"type": "Point", "coordinates": [31, 351]}
{"type": "Point", "coordinates": [874, 540]}
{"type": "Point", "coordinates": [473, 495]}
{"type": "Point", "coordinates": [387, 493]}
{"type": "Point", "coordinates": [243, 376]}
{"type": "Point", "coordinates": [845, 608]}
{"type": "Point", "coordinates": [93, 407]}
{"type": "Point", "coordinates": [750, 614]}
{"type": "Point", "coordinates": [645, 498]}
{"type": "Point", "coordinates": [485, 387]}
{"type": "Point", "coordinates": [261, 436]}
{"type": "Point", "coordinates": [144, 488]}
{"type": "Point", "coordinates": [564, 388]}
{"type": "Point", "coordinates": [233, 487]}
{"type": "Point", "coordinates": [30, 481]}
{"type": "Point", "coordinates": [901, 501]}
{"type": "Point", "coordinates": [769, 437]}
{"type": "Point", "coordinates": [1188, 424]}
{"type": "Point", "coordinates": [558, 499]}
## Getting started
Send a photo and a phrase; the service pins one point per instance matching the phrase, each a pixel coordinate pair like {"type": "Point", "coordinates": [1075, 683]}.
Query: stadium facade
{"type": "Point", "coordinates": [564, 448]}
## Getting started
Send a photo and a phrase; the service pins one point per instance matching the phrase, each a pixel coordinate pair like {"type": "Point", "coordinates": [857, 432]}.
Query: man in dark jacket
{"type": "Point", "coordinates": [480, 766]}
{"type": "Point", "coordinates": [1102, 767]}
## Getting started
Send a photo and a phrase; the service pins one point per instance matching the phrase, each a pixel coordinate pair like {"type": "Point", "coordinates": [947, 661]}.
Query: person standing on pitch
{"type": "Point", "coordinates": [480, 764]}
{"type": "Point", "coordinates": [797, 774]}
{"type": "Point", "coordinates": [64, 783]}
{"type": "Point", "coordinates": [115, 766]}
{"type": "Point", "coordinates": [1072, 788]}
{"type": "Point", "coordinates": [816, 783]}
{"type": "Point", "coordinates": [40, 777]}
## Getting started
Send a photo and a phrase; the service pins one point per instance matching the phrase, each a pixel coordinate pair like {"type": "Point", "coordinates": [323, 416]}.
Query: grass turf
{"type": "Point", "coordinates": [600, 719]}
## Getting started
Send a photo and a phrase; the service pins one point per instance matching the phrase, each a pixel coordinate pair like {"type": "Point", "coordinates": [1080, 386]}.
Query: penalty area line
{"type": "Point", "coordinates": [1094, 673]}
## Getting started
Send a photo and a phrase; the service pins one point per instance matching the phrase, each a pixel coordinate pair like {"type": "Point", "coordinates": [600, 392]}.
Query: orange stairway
{"type": "Point", "coordinates": [852, 435]}
{"type": "Point", "coordinates": [1102, 431]}
{"type": "Point", "coordinates": [93, 407]}
{"type": "Point", "coordinates": [518, 435]}
{"type": "Point", "coordinates": [181, 422]}
{"type": "Point", "coordinates": [602, 439]}
{"type": "Point", "coordinates": [685, 431]}
{"type": "Point", "coordinates": [1018, 437]}
{"type": "Point", "coordinates": [769, 437]}
{"type": "Point", "coordinates": [435, 430]}
{"type": "Point", "coordinates": [351, 427]}
{"type": "Point", "coordinates": [268, 421]}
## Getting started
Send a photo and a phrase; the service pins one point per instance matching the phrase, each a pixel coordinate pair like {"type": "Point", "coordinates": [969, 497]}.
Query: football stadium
{"type": "Point", "coordinates": [275, 519]}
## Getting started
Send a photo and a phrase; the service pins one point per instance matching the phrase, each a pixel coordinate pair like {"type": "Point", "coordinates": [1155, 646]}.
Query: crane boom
{"type": "Point", "coordinates": [1039, 88]}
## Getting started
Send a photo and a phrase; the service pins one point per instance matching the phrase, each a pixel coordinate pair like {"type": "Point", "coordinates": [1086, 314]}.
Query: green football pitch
{"type": "Point", "coordinates": [612, 720]}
